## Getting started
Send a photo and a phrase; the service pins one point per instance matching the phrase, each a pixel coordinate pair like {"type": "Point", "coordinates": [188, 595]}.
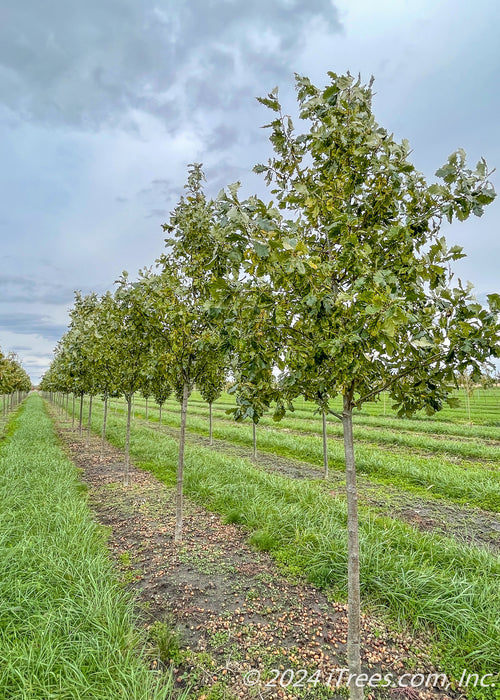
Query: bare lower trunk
{"type": "Point", "coordinates": [104, 421]}
{"type": "Point", "coordinates": [180, 466]}
{"type": "Point", "coordinates": [87, 439]}
{"type": "Point", "coordinates": [254, 440]}
{"type": "Point", "coordinates": [467, 403]}
{"type": "Point", "coordinates": [73, 416]}
{"type": "Point", "coordinates": [67, 404]}
{"type": "Point", "coordinates": [127, 442]}
{"type": "Point", "coordinates": [353, 587]}
{"type": "Point", "coordinates": [210, 440]}
{"type": "Point", "coordinates": [81, 416]}
{"type": "Point", "coordinates": [325, 447]}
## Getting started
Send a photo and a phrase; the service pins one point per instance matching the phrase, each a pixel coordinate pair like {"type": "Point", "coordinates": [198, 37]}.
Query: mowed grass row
{"type": "Point", "coordinates": [485, 409]}
{"type": "Point", "coordinates": [307, 413]}
{"type": "Point", "coordinates": [425, 580]}
{"type": "Point", "coordinates": [66, 624]}
{"type": "Point", "coordinates": [484, 405]}
{"type": "Point", "coordinates": [463, 449]}
{"type": "Point", "coordinates": [464, 483]}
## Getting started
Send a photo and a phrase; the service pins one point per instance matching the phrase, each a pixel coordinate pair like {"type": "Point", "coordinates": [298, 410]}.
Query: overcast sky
{"type": "Point", "coordinates": [104, 103]}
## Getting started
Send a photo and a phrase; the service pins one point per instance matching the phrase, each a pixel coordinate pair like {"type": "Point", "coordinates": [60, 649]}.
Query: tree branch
{"type": "Point", "coordinates": [396, 377]}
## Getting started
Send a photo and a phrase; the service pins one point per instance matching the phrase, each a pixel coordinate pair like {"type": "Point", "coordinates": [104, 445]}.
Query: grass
{"type": "Point", "coordinates": [485, 408]}
{"type": "Point", "coordinates": [66, 625]}
{"type": "Point", "coordinates": [464, 482]}
{"type": "Point", "coordinates": [423, 579]}
{"type": "Point", "coordinates": [383, 436]}
{"type": "Point", "coordinates": [448, 422]}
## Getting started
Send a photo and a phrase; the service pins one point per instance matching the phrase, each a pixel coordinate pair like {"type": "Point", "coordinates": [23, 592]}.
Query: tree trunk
{"type": "Point", "coordinates": [353, 587]}
{"type": "Point", "coordinates": [159, 420]}
{"type": "Point", "coordinates": [254, 440]}
{"type": "Point", "coordinates": [104, 420]}
{"type": "Point", "coordinates": [73, 416]}
{"type": "Point", "coordinates": [81, 415]}
{"type": "Point", "coordinates": [180, 466]}
{"type": "Point", "coordinates": [210, 441]}
{"type": "Point", "coordinates": [127, 441]}
{"type": "Point", "coordinates": [87, 440]}
{"type": "Point", "coordinates": [146, 409]}
{"type": "Point", "coordinates": [325, 447]}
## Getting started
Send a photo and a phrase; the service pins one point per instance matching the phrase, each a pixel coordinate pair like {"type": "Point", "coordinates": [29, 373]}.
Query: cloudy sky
{"type": "Point", "coordinates": [104, 103]}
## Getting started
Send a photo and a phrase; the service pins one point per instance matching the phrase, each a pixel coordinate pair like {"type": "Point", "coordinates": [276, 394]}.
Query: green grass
{"type": "Point", "coordinates": [382, 435]}
{"type": "Point", "coordinates": [463, 482]}
{"type": "Point", "coordinates": [66, 624]}
{"type": "Point", "coordinates": [425, 580]}
{"type": "Point", "coordinates": [452, 422]}
{"type": "Point", "coordinates": [485, 408]}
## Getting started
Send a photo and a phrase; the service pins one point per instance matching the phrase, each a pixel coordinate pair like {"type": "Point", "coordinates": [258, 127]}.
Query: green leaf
{"type": "Point", "coordinates": [300, 267]}
{"type": "Point", "coordinates": [389, 327]}
{"type": "Point", "coordinates": [422, 343]}
{"type": "Point", "coordinates": [234, 187]}
{"type": "Point", "coordinates": [262, 249]}
{"type": "Point", "coordinates": [481, 168]}
{"type": "Point", "coordinates": [448, 173]}
{"type": "Point", "coordinates": [301, 188]}
{"type": "Point", "coordinates": [289, 243]}
{"type": "Point", "coordinates": [270, 102]}
{"type": "Point", "coordinates": [494, 302]}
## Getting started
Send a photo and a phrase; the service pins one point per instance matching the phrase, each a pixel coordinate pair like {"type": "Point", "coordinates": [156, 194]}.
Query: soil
{"type": "Point", "coordinates": [234, 609]}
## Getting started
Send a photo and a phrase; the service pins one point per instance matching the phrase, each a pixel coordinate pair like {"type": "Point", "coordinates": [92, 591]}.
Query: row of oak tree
{"type": "Point", "coordinates": [15, 382]}
{"type": "Point", "coordinates": [340, 286]}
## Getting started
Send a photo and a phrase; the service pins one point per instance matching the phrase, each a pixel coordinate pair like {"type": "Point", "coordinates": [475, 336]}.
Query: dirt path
{"type": "Point", "coordinates": [233, 610]}
{"type": "Point", "coordinates": [465, 523]}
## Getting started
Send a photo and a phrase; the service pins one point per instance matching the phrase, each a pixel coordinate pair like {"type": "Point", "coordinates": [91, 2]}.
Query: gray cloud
{"type": "Point", "coordinates": [222, 137]}
{"type": "Point", "coordinates": [158, 213]}
{"type": "Point", "coordinates": [18, 288]}
{"type": "Point", "coordinates": [88, 64]}
{"type": "Point", "coordinates": [32, 324]}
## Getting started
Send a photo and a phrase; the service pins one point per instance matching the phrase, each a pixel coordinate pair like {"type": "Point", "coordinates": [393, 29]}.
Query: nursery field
{"type": "Point", "coordinates": [429, 504]}
{"type": "Point", "coordinates": [450, 459]}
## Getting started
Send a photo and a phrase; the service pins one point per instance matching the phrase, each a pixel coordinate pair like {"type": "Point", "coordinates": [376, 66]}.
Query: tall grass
{"type": "Point", "coordinates": [485, 408]}
{"type": "Point", "coordinates": [465, 482]}
{"type": "Point", "coordinates": [380, 435]}
{"type": "Point", "coordinates": [451, 423]}
{"type": "Point", "coordinates": [66, 625]}
{"type": "Point", "coordinates": [426, 580]}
